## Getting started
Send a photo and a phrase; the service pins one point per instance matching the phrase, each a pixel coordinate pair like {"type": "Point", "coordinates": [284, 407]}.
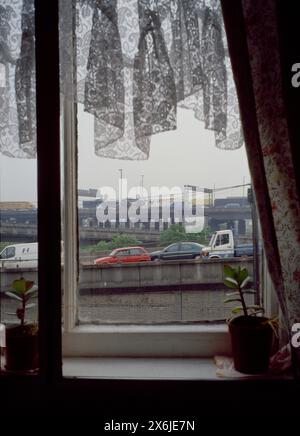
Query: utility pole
{"type": "Point", "coordinates": [121, 178]}
{"type": "Point", "coordinates": [142, 184]}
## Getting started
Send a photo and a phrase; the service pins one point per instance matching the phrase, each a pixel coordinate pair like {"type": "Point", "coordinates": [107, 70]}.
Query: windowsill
{"type": "Point", "coordinates": [150, 369]}
{"type": "Point", "coordinates": [151, 328]}
{"type": "Point", "coordinates": [140, 368]}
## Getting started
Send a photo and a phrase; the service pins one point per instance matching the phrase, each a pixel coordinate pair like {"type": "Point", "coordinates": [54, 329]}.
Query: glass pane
{"type": "Point", "coordinates": [18, 189]}
{"type": "Point", "coordinates": [149, 178]}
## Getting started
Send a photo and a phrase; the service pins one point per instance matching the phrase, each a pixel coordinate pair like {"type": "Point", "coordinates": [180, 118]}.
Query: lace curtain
{"type": "Point", "coordinates": [17, 79]}
{"type": "Point", "coordinates": [135, 62]}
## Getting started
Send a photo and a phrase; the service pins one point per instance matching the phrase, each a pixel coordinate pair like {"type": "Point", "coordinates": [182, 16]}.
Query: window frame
{"type": "Point", "coordinates": [125, 340]}
{"type": "Point", "coordinates": [52, 395]}
{"type": "Point", "coordinates": [105, 399]}
{"type": "Point", "coordinates": [48, 180]}
{"type": "Point", "coordinates": [53, 342]}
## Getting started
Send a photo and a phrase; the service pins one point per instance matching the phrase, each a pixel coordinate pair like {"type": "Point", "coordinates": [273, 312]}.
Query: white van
{"type": "Point", "coordinates": [19, 256]}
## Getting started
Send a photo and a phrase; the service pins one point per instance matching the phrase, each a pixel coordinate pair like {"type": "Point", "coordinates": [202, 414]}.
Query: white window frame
{"type": "Point", "coordinates": [191, 340]}
{"type": "Point", "coordinates": [126, 340]}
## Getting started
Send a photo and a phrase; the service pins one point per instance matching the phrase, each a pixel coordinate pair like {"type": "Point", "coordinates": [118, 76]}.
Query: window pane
{"type": "Point", "coordinates": [142, 173]}
{"type": "Point", "coordinates": [18, 187]}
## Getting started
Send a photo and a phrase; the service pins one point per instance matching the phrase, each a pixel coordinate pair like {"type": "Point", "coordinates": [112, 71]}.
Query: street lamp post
{"type": "Point", "coordinates": [121, 178]}
{"type": "Point", "coordinates": [142, 184]}
{"type": "Point", "coordinates": [119, 210]}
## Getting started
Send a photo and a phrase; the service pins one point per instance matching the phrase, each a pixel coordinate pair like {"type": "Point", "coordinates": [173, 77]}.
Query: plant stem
{"type": "Point", "coordinates": [243, 301]}
{"type": "Point", "coordinates": [23, 311]}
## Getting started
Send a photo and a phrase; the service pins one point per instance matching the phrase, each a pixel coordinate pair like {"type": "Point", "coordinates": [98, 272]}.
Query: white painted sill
{"type": "Point", "coordinates": [140, 368]}
{"type": "Point", "coordinates": [151, 369]}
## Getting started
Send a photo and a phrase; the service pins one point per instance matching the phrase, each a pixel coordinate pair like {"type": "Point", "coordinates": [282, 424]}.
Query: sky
{"type": "Point", "coordinates": [187, 155]}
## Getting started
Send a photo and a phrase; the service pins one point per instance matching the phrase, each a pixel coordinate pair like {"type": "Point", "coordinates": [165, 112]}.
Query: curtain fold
{"type": "Point", "coordinates": [25, 81]}
{"type": "Point", "coordinates": [154, 92]}
{"type": "Point", "coordinates": [252, 31]}
{"type": "Point", "coordinates": [104, 82]}
{"type": "Point", "coordinates": [17, 79]}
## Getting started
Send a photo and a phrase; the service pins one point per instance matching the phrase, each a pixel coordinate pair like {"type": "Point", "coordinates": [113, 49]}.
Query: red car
{"type": "Point", "coordinates": [124, 255]}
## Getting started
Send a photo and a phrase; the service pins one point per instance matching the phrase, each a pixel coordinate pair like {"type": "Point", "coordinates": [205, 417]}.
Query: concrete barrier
{"type": "Point", "coordinates": [157, 275]}
{"type": "Point", "coordinates": [152, 275]}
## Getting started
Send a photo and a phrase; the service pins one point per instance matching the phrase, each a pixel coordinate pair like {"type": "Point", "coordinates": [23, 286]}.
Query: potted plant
{"type": "Point", "coordinates": [22, 338]}
{"type": "Point", "coordinates": [251, 333]}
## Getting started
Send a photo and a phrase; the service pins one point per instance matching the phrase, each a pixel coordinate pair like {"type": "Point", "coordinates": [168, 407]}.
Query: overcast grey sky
{"type": "Point", "coordinates": [187, 155]}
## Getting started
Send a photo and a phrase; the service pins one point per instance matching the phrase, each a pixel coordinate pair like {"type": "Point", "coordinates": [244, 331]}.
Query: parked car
{"type": "Point", "coordinates": [124, 255]}
{"type": "Point", "coordinates": [179, 251]}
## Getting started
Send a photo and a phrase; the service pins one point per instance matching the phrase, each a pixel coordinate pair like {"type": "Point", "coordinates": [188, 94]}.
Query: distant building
{"type": "Point", "coordinates": [16, 205]}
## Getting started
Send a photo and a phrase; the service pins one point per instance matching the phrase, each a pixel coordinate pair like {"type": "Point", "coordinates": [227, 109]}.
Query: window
{"type": "Point", "coordinates": [110, 302]}
{"type": "Point", "coordinates": [136, 251]}
{"type": "Point", "coordinates": [122, 253]}
{"type": "Point", "coordinates": [222, 239]}
{"type": "Point", "coordinates": [18, 184]}
{"type": "Point", "coordinates": [8, 253]}
{"type": "Point", "coordinates": [173, 248]}
{"type": "Point", "coordinates": [82, 334]}
{"type": "Point", "coordinates": [186, 395]}
{"type": "Point", "coordinates": [187, 247]}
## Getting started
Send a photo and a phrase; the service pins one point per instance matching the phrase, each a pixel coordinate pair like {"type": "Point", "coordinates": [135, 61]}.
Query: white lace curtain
{"type": "Point", "coordinates": [135, 63]}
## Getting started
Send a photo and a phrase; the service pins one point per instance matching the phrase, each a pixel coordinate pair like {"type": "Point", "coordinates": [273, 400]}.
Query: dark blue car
{"type": "Point", "coordinates": [178, 251]}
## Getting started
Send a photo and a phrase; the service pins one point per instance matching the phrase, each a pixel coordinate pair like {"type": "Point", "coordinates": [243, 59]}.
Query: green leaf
{"type": "Point", "coordinates": [31, 295]}
{"type": "Point", "coordinates": [243, 274]}
{"type": "Point", "coordinates": [12, 295]}
{"type": "Point", "coordinates": [32, 290]}
{"type": "Point", "coordinates": [255, 306]}
{"type": "Point", "coordinates": [231, 283]}
{"type": "Point", "coordinates": [28, 306]}
{"type": "Point", "coordinates": [244, 282]}
{"type": "Point", "coordinates": [237, 309]}
{"type": "Point", "coordinates": [229, 271]}
{"type": "Point", "coordinates": [21, 286]}
{"type": "Point", "coordinates": [231, 294]}
{"type": "Point", "coordinates": [230, 300]}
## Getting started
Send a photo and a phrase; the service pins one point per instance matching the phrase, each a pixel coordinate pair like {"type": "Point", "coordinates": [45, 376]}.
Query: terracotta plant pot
{"type": "Point", "coordinates": [21, 348]}
{"type": "Point", "coordinates": [251, 339]}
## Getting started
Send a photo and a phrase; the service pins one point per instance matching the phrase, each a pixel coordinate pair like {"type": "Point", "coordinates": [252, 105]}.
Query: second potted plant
{"type": "Point", "coordinates": [22, 338]}
{"type": "Point", "coordinates": [251, 334]}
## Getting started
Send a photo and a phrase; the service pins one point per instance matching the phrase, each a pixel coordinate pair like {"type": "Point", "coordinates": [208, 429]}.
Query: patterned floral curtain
{"type": "Point", "coordinates": [253, 39]}
{"type": "Point", "coordinates": [136, 62]}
